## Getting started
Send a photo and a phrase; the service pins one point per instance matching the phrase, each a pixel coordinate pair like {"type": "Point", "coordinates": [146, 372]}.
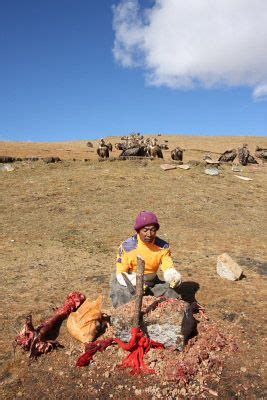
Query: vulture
{"type": "Point", "coordinates": [228, 156]}
{"type": "Point", "coordinates": [155, 151]}
{"type": "Point", "coordinates": [138, 151]}
{"type": "Point", "coordinates": [109, 145]}
{"type": "Point", "coordinates": [103, 152]}
{"type": "Point", "coordinates": [243, 154]}
{"type": "Point", "coordinates": [177, 154]}
{"type": "Point", "coordinates": [261, 153]}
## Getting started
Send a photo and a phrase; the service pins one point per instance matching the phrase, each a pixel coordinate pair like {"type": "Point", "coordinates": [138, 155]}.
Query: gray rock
{"type": "Point", "coordinates": [170, 329]}
{"type": "Point", "coordinates": [169, 335]}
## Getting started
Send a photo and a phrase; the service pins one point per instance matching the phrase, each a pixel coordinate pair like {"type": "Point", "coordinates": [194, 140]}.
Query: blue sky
{"type": "Point", "coordinates": [61, 79]}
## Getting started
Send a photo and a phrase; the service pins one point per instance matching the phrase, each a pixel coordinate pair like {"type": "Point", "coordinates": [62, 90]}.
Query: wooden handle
{"type": "Point", "coordinates": [139, 291]}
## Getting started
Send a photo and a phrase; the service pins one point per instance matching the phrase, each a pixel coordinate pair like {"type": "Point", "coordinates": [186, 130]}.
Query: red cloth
{"type": "Point", "coordinates": [91, 349]}
{"type": "Point", "coordinates": [138, 346]}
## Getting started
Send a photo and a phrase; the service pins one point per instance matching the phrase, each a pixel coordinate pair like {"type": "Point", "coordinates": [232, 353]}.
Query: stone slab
{"type": "Point", "coordinates": [167, 167]}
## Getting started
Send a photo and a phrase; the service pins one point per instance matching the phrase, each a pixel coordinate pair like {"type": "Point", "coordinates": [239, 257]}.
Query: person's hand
{"type": "Point", "coordinates": [173, 277]}
{"type": "Point", "coordinates": [145, 288]}
{"type": "Point", "coordinates": [131, 277]}
{"type": "Point", "coordinates": [174, 283]}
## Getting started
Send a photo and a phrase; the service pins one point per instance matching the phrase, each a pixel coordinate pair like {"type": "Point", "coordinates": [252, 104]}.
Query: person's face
{"type": "Point", "coordinates": [148, 233]}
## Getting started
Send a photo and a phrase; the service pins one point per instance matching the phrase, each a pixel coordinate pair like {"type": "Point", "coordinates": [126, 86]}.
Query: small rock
{"type": "Point", "coordinates": [167, 167]}
{"type": "Point", "coordinates": [227, 268]}
{"type": "Point", "coordinates": [107, 374]}
{"type": "Point", "coordinates": [236, 168]}
{"type": "Point", "coordinates": [61, 373]}
{"type": "Point", "coordinates": [243, 369]}
{"type": "Point", "coordinates": [212, 171]}
{"type": "Point", "coordinates": [137, 392]}
{"type": "Point", "coordinates": [7, 167]}
{"type": "Point", "coordinates": [184, 166]}
{"type": "Point", "coordinates": [19, 394]}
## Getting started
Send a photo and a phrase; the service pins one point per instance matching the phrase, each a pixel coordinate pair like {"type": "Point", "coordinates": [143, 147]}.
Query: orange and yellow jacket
{"type": "Point", "coordinates": [155, 254]}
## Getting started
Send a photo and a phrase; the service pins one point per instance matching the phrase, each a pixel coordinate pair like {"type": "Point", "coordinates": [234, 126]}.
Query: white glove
{"type": "Point", "coordinates": [173, 277]}
{"type": "Point", "coordinates": [131, 277]}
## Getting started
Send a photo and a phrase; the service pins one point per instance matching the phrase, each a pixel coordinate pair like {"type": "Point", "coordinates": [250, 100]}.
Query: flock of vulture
{"type": "Point", "coordinates": [136, 145]}
{"type": "Point", "coordinates": [243, 155]}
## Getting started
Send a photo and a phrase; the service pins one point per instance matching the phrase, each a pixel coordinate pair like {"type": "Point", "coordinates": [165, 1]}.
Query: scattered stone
{"type": "Point", "coordinates": [227, 268]}
{"type": "Point", "coordinates": [167, 167]}
{"type": "Point", "coordinates": [212, 171]}
{"type": "Point", "coordinates": [236, 168]}
{"type": "Point", "coordinates": [184, 166]}
{"type": "Point", "coordinates": [244, 178]}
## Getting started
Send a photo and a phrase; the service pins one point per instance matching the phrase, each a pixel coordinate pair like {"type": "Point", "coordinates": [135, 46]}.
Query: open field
{"type": "Point", "coordinates": [61, 225]}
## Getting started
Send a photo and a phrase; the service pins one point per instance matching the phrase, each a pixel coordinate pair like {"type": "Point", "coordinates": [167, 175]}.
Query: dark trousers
{"type": "Point", "coordinates": [120, 294]}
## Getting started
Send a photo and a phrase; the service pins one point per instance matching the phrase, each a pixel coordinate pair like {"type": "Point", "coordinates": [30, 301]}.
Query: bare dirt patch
{"type": "Point", "coordinates": [62, 224]}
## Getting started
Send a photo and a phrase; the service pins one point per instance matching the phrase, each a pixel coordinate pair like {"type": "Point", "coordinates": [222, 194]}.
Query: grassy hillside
{"type": "Point", "coordinates": [61, 225]}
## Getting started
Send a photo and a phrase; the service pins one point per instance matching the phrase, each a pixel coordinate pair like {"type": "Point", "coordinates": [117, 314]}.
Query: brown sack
{"type": "Point", "coordinates": [83, 324]}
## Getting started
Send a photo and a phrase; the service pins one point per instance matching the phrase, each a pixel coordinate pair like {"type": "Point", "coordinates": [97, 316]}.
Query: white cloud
{"type": "Point", "coordinates": [195, 43]}
{"type": "Point", "coordinates": [260, 92]}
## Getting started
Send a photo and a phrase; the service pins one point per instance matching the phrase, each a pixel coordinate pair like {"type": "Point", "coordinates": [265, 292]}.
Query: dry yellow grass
{"type": "Point", "coordinates": [61, 225]}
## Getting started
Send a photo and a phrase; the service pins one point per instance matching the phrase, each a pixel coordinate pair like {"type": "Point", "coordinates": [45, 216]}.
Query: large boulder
{"type": "Point", "coordinates": [227, 268]}
{"type": "Point", "coordinates": [168, 321]}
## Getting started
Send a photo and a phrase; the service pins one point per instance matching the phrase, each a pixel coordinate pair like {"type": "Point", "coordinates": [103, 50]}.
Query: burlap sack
{"type": "Point", "coordinates": [83, 324]}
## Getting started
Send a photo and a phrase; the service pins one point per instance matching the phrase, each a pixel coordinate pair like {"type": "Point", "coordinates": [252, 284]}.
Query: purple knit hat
{"type": "Point", "coordinates": [145, 218]}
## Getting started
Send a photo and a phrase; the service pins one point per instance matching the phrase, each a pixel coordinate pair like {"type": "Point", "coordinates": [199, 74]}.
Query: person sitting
{"type": "Point", "coordinates": [157, 255]}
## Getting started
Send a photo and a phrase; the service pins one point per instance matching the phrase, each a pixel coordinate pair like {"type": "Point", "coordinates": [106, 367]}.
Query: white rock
{"type": "Point", "coordinates": [212, 171]}
{"type": "Point", "coordinates": [183, 166]}
{"type": "Point", "coordinates": [227, 268]}
{"type": "Point", "coordinates": [7, 167]}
